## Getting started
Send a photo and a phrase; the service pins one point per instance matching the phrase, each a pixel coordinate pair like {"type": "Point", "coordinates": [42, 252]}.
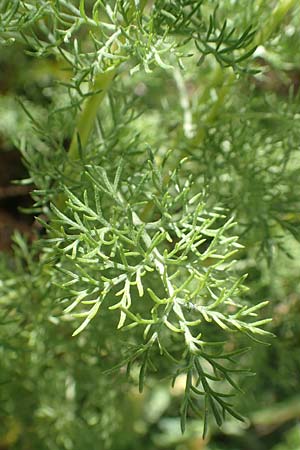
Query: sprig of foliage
{"type": "Point", "coordinates": [137, 254]}
{"type": "Point", "coordinates": [171, 277]}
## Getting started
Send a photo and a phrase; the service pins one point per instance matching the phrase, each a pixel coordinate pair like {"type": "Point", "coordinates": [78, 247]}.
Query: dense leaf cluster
{"type": "Point", "coordinates": [152, 152]}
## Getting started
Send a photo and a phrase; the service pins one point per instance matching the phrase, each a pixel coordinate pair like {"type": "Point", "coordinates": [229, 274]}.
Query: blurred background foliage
{"type": "Point", "coordinates": [242, 135]}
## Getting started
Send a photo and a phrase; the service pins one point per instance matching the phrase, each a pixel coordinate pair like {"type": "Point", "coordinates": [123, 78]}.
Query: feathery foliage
{"type": "Point", "coordinates": [152, 154]}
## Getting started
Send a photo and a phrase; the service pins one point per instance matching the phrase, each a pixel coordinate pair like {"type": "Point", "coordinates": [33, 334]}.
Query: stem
{"type": "Point", "coordinates": [277, 16]}
{"type": "Point", "coordinates": [87, 117]}
{"type": "Point", "coordinates": [188, 127]}
{"type": "Point", "coordinates": [85, 123]}
{"type": "Point", "coordinates": [102, 83]}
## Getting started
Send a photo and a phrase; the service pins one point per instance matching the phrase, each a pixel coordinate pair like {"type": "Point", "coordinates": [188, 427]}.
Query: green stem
{"type": "Point", "coordinates": [279, 12]}
{"type": "Point", "coordinates": [85, 125]}
{"type": "Point", "coordinates": [87, 117]}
